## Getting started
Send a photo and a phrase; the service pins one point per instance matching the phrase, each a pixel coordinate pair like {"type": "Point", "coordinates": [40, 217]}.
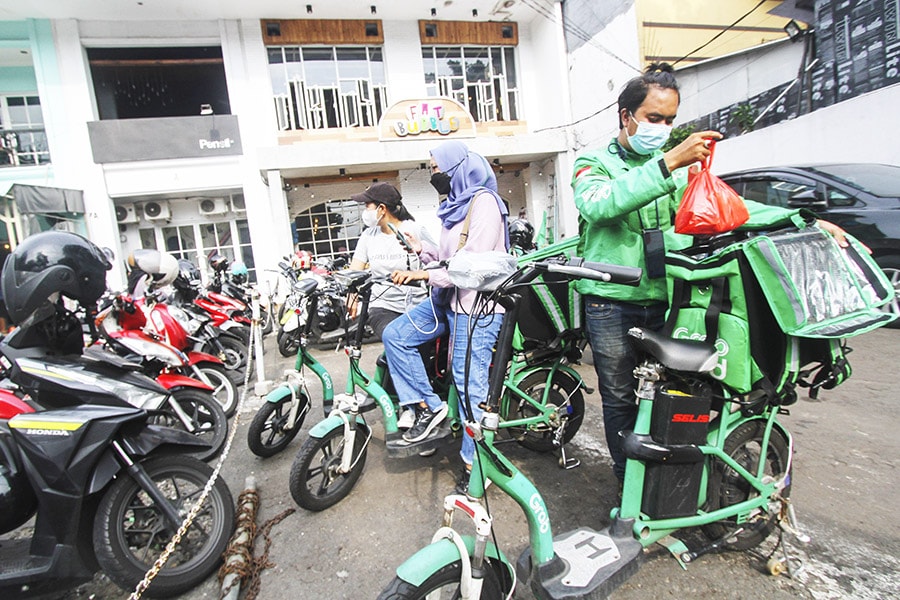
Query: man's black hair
{"type": "Point", "coordinates": [635, 91]}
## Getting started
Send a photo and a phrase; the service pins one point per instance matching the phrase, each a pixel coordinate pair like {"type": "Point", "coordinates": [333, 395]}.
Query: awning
{"type": "Point", "coordinates": [35, 199]}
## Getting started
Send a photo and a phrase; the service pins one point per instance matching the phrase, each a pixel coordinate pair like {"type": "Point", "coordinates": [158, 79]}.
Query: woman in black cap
{"type": "Point", "coordinates": [379, 249]}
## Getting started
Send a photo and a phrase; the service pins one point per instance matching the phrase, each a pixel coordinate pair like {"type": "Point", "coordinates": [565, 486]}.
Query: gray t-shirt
{"type": "Point", "coordinates": [384, 255]}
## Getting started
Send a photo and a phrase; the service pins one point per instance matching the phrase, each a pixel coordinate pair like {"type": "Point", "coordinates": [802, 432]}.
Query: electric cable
{"type": "Point", "coordinates": [721, 33]}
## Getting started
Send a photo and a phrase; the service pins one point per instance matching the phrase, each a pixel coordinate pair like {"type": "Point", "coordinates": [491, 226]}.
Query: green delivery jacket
{"type": "Point", "coordinates": [618, 194]}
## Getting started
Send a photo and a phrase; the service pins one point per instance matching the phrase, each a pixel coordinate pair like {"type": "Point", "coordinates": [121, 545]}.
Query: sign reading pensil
{"type": "Point", "coordinates": [428, 118]}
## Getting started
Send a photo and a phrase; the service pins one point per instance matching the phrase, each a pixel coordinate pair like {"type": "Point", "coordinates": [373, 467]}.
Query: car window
{"type": "Point", "coordinates": [774, 192]}
{"type": "Point", "coordinates": [880, 180]}
{"type": "Point", "coordinates": [838, 198]}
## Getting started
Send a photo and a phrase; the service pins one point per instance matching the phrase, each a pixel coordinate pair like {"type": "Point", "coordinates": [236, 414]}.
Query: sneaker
{"type": "Point", "coordinates": [462, 483]}
{"type": "Point", "coordinates": [426, 421]}
{"type": "Point", "coordinates": [407, 419]}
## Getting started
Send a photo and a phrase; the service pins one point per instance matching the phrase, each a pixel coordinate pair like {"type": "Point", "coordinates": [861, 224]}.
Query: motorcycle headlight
{"type": "Point", "coordinates": [189, 324]}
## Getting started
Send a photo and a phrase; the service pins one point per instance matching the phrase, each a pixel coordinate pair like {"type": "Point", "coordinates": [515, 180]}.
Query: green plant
{"type": "Point", "coordinates": [678, 135]}
{"type": "Point", "coordinates": [744, 116]}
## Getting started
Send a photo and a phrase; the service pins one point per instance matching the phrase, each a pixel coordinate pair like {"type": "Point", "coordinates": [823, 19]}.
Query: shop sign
{"type": "Point", "coordinates": [126, 140]}
{"type": "Point", "coordinates": [427, 118]}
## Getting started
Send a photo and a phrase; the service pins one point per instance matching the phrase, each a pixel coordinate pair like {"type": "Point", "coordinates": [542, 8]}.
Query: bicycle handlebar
{"type": "Point", "coordinates": [579, 268]}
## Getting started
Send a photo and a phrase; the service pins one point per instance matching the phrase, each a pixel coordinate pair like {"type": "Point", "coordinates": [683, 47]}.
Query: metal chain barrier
{"type": "Point", "coordinates": [195, 509]}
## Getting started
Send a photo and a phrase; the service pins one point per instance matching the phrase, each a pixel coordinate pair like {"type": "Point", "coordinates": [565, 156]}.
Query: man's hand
{"type": "Point", "coordinates": [837, 233]}
{"type": "Point", "coordinates": [694, 148]}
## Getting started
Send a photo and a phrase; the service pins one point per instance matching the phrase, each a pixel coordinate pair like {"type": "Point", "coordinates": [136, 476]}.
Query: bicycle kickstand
{"type": "Point", "coordinates": [565, 462]}
{"type": "Point", "coordinates": [788, 562]}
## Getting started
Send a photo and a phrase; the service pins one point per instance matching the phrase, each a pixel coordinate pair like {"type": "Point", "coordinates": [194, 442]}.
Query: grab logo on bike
{"type": "Point", "coordinates": [540, 512]}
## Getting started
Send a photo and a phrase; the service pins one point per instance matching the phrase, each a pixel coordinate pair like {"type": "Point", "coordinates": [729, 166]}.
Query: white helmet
{"type": "Point", "coordinates": [161, 266]}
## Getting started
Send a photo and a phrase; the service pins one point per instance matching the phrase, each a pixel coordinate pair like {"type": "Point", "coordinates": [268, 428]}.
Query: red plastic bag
{"type": "Point", "coordinates": [709, 205]}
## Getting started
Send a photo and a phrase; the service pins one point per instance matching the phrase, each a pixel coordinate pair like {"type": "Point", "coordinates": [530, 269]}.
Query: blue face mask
{"type": "Point", "coordinates": [649, 137]}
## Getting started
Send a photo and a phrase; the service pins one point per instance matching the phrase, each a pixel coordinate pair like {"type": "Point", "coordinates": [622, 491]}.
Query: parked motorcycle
{"type": "Point", "coordinates": [331, 324]}
{"type": "Point", "coordinates": [108, 488]}
{"type": "Point", "coordinates": [123, 326]}
{"type": "Point", "coordinates": [226, 313]}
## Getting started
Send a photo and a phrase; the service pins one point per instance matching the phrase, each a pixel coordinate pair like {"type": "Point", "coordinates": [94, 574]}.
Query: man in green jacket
{"type": "Point", "coordinates": [627, 194]}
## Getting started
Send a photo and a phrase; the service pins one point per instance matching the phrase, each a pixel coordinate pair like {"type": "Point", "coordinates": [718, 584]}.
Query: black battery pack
{"type": "Point", "coordinates": [680, 416]}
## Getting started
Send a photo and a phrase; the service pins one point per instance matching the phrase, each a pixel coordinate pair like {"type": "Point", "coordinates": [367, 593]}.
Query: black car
{"type": "Point", "coordinates": [862, 198]}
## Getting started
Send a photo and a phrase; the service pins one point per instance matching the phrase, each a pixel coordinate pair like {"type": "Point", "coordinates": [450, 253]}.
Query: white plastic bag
{"type": "Point", "coordinates": [482, 271]}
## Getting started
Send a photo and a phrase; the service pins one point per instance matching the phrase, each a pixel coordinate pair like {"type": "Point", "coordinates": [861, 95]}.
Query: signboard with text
{"type": "Point", "coordinates": [127, 140]}
{"type": "Point", "coordinates": [425, 119]}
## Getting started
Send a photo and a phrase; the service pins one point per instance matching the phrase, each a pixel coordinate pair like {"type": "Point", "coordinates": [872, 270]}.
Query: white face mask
{"type": "Point", "coordinates": [649, 137]}
{"type": "Point", "coordinates": [370, 217]}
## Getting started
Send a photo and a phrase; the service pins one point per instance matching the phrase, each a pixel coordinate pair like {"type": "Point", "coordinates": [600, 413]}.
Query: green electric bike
{"type": "Point", "coordinates": [708, 449]}
{"type": "Point", "coordinates": [541, 404]}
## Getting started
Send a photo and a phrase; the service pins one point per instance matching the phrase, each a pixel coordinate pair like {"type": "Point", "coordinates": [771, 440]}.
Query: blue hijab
{"type": "Point", "coordinates": [470, 174]}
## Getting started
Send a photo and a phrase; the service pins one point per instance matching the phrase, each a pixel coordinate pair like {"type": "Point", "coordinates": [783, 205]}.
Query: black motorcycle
{"type": "Point", "coordinates": [107, 486]}
{"type": "Point", "coordinates": [107, 489]}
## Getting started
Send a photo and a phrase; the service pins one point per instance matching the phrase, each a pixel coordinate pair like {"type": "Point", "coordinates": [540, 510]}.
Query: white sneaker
{"type": "Point", "coordinates": [407, 418]}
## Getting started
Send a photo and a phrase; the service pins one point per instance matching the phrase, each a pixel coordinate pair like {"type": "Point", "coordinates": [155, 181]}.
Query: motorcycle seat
{"type": "Point", "coordinates": [693, 356]}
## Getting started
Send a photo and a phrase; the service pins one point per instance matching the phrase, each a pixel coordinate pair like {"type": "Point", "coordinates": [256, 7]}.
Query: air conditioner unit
{"type": "Point", "coordinates": [212, 206]}
{"type": "Point", "coordinates": [125, 213]}
{"type": "Point", "coordinates": [156, 211]}
{"type": "Point", "coordinates": [237, 203]}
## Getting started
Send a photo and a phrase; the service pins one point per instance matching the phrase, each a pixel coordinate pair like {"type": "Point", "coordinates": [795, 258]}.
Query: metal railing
{"type": "Point", "coordinates": [23, 147]}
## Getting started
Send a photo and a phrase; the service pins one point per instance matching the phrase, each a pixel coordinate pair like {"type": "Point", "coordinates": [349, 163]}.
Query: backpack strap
{"type": "Point", "coordinates": [681, 296]}
{"type": "Point", "coordinates": [464, 234]}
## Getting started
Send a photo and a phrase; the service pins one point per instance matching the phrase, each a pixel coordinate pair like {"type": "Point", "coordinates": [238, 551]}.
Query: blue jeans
{"type": "Point", "coordinates": [406, 333]}
{"type": "Point", "coordinates": [607, 323]}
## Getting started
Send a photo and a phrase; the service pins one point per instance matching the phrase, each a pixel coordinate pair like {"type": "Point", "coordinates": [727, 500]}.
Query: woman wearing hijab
{"type": "Point", "coordinates": [473, 217]}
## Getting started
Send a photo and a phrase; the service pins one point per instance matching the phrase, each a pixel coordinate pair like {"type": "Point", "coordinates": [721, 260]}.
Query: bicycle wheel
{"type": "Point", "coordinates": [315, 482]}
{"type": "Point", "coordinates": [565, 394]}
{"type": "Point", "coordinates": [269, 432]}
{"type": "Point", "coordinates": [444, 583]}
{"type": "Point", "coordinates": [727, 487]}
{"type": "Point", "coordinates": [130, 532]}
{"type": "Point", "coordinates": [289, 343]}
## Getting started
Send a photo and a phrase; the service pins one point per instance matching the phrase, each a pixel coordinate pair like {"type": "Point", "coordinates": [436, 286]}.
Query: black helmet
{"type": "Point", "coordinates": [52, 262]}
{"type": "Point", "coordinates": [188, 275]}
{"type": "Point", "coordinates": [521, 234]}
{"type": "Point", "coordinates": [217, 262]}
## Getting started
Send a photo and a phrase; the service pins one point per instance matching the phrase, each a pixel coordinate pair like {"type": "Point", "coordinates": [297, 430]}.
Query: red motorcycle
{"type": "Point", "coordinates": [11, 405]}
{"type": "Point", "coordinates": [165, 356]}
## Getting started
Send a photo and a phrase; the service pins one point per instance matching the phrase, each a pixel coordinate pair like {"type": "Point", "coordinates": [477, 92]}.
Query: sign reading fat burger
{"type": "Point", "coordinates": [428, 118]}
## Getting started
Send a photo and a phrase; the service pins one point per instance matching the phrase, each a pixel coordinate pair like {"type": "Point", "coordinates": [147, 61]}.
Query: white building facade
{"type": "Point", "coordinates": [246, 129]}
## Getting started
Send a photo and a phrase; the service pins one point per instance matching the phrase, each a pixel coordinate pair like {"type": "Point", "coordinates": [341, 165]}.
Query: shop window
{"type": "Point", "coordinates": [483, 79]}
{"type": "Point", "coordinates": [329, 230]}
{"type": "Point", "coordinates": [327, 87]}
{"type": "Point", "coordinates": [23, 140]}
{"type": "Point", "coordinates": [134, 83]}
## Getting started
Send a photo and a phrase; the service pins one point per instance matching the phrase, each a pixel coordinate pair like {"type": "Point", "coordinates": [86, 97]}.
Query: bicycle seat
{"type": "Point", "coordinates": [306, 286]}
{"type": "Point", "coordinates": [679, 355]}
{"type": "Point", "coordinates": [352, 280]}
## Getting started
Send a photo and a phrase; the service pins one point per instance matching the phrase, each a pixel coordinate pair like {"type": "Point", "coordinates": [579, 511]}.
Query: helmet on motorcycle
{"type": "Point", "coordinates": [302, 260]}
{"type": "Point", "coordinates": [188, 275]}
{"type": "Point", "coordinates": [161, 266]}
{"type": "Point", "coordinates": [217, 262]}
{"type": "Point", "coordinates": [47, 264]}
{"type": "Point", "coordinates": [239, 272]}
{"type": "Point", "coordinates": [521, 234]}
